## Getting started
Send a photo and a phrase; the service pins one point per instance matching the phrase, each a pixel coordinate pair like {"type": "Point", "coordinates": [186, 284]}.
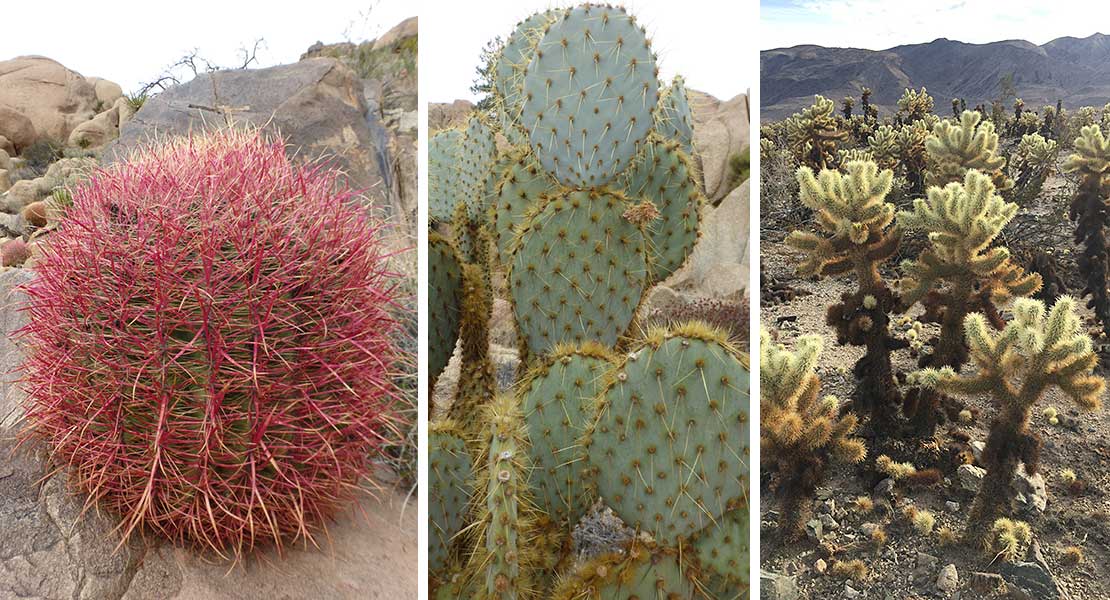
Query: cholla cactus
{"type": "Point", "coordinates": [885, 147]}
{"type": "Point", "coordinates": [1088, 209]}
{"type": "Point", "coordinates": [1016, 366]}
{"type": "Point", "coordinates": [799, 434]}
{"type": "Point", "coordinates": [1033, 160]}
{"type": "Point", "coordinates": [960, 271]}
{"type": "Point", "coordinates": [814, 133]}
{"type": "Point", "coordinates": [954, 148]}
{"type": "Point", "coordinates": [914, 105]}
{"type": "Point", "coordinates": [853, 216]}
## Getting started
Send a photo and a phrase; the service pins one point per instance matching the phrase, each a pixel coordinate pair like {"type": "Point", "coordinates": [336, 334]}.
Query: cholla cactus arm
{"type": "Point", "coordinates": [885, 146]}
{"type": "Point", "coordinates": [852, 212]}
{"type": "Point", "coordinates": [1016, 366]}
{"type": "Point", "coordinates": [954, 148]}
{"type": "Point", "coordinates": [814, 133]}
{"type": "Point", "coordinates": [915, 105]}
{"type": "Point", "coordinates": [800, 434]}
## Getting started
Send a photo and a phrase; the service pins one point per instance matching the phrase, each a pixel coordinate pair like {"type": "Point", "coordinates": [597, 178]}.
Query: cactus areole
{"type": "Point", "coordinates": [209, 342]}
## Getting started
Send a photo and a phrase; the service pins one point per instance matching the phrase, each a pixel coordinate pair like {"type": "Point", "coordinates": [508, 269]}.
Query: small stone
{"type": "Point", "coordinates": [986, 583]}
{"type": "Point", "coordinates": [828, 506]}
{"type": "Point", "coordinates": [829, 523]}
{"type": "Point", "coordinates": [949, 579]}
{"type": "Point", "coordinates": [850, 592]}
{"type": "Point", "coordinates": [885, 487]}
{"type": "Point", "coordinates": [820, 566]}
{"type": "Point", "coordinates": [977, 448]}
{"type": "Point", "coordinates": [970, 477]}
{"type": "Point", "coordinates": [868, 529]}
{"type": "Point", "coordinates": [814, 530]}
{"type": "Point", "coordinates": [952, 506]}
{"type": "Point", "coordinates": [774, 586]}
{"type": "Point", "coordinates": [1032, 496]}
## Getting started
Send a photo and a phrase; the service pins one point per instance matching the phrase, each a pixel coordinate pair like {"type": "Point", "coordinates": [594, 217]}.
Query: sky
{"type": "Point", "coordinates": [882, 24]}
{"type": "Point", "coordinates": [708, 42]}
{"type": "Point", "coordinates": [134, 44]}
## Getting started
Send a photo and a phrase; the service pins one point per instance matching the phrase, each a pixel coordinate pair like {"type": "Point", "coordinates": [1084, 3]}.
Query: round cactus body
{"type": "Point", "coordinates": [519, 190]}
{"type": "Point", "coordinates": [443, 174]}
{"type": "Point", "coordinates": [559, 400]}
{"type": "Point", "coordinates": [590, 94]}
{"type": "Point", "coordinates": [642, 571]}
{"type": "Point", "coordinates": [444, 297]}
{"type": "Point", "coordinates": [448, 498]}
{"type": "Point", "coordinates": [210, 343]}
{"type": "Point", "coordinates": [669, 448]}
{"type": "Point", "coordinates": [663, 175]}
{"type": "Point", "coordinates": [578, 271]}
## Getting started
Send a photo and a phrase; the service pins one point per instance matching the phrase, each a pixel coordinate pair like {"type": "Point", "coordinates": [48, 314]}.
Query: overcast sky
{"type": "Point", "coordinates": [709, 42]}
{"type": "Point", "coordinates": [882, 24]}
{"type": "Point", "coordinates": [132, 43]}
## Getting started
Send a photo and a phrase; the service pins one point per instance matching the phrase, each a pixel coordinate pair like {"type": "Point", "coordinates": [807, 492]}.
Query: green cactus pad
{"type": "Point", "coordinates": [559, 401]}
{"type": "Point", "coordinates": [520, 189]}
{"type": "Point", "coordinates": [723, 551]}
{"type": "Point", "coordinates": [670, 446]}
{"type": "Point", "coordinates": [674, 120]}
{"type": "Point", "coordinates": [662, 173]}
{"type": "Point", "coordinates": [477, 152]}
{"type": "Point", "coordinates": [449, 468]}
{"type": "Point", "coordinates": [590, 94]}
{"type": "Point", "coordinates": [444, 295]}
{"type": "Point", "coordinates": [504, 554]}
{"type": "Point", "coordinates": [492, 182]}
{"type": "Point", "coordinates": [511, 65]}
{"type": "Point", "coordinates": [578, 271]}
{"type": "Point", "coordinates": [643, 571]}
{"type": "Point", "coordinates": [443, 174]}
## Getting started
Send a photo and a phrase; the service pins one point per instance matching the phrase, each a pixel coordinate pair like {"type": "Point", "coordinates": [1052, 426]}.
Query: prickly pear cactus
{"type": "Point", "coordinates": [504, 554]}
{"type": "Point", "coordinates": [663, 174]}
{"type": "Point", "coordinates": [520, 189]}
{"type": "Point", "coordinates": [444, 294]}
{"type": "Point", "coordinates": [723, 552]}
{"type": "Point", "coordinates": [643, 571]}
{"type": "Point", "coordinates": [670, 446]}
{"type": "Point", "coordinates": [476, 380]}
{"type": "Point", "coordinates": [674, 120]}
{"type": "Point", "coordinates": [590, 93]}
{"type": "Point", "coordinates": [510, 67]}
{"type": "Point", "coordinates": [448, 493]}
{"type": "Point", "coordinates": [488, 197]}
{"type": "Point", "coordinates": [477, 152]}
{"type": "Point", "coordinates": [558, 400]}
{"type": "Point", "coordinates": [578, 271]}
{"type": "Point", "coordinates": [443, 174]}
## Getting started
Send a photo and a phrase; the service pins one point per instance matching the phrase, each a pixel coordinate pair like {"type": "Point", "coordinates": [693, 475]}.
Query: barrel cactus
{"type": "Point", "coordinates": [210, 343]}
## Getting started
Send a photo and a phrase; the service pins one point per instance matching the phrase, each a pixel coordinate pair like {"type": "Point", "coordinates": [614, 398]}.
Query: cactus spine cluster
{"type": "Point", "coordinates": [1089, 210]}
{"type": "Point", "coordinates": [595, 198]}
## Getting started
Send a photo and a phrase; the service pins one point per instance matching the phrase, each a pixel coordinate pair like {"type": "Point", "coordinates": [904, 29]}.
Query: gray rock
{"type": "Point", "coordinates": [977, 448]}
{"type": "Point", "coordinates": [773, 586]}
{"type": "Point", "coordinates": [885, 487]}
{"type": "Point", "coordinates": [1031, 496]}
{"type": "Point", "coordinates": [868, 529]}
{"type": "Point", "coordinates": [970, 477]}
{"type": "Point", "coordinates": [924, 567]}
{"type": "Point", "coordinates": [948, 580]}
{"type": "Point", "coordinates": [815, 530]}
{"type": "Point", "coordinates": [828, 523]}
{"type": "Point", "coordinates": [11, 319]}
{"type": "Point", "coordinates": [851, 592]}
{"type": "Point", "coordinates": [317, 105]}
{"type": "Point", "coordinates": [986, 583]}
{"type": "Point", "coordinates": [952, 506]}
{"type": "Point", "coordinates": [1030, 580]}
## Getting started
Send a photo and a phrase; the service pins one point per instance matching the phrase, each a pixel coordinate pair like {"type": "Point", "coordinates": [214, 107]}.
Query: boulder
{"type": "Point", "coordinates": [5, 181]}
{"type": "Point", "coordinates": [7, 146]}
{"type": "Point", "coordinates": [107, 92]}
{"type": "Point", "coordinates": [442, 115]}
{"type": "Point", "coordinates": [17, 130]}
{"type": "Point", "coordinates": [405, 29]}
{"type": "Point", "coordinates": [316, 104]}
{"type": "Point", "coordinates": [720, 131]}
{"type": "Point", "coordinates": [97, 131]}
{"type": "Point", "coordinates": [775, 586]}
{"type": "Point", "coordinates": [718, 266]}
{"type": "Point", "coordinates": [54, 98]}
{"type": "Point", "coordinates": [21, 193]}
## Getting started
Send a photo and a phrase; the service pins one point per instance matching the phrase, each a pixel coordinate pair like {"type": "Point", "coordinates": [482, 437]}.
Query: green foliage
{"type": "Point", "coordinates": [444, 296]}
{"type": "Point", "coordinates": [739, 168]}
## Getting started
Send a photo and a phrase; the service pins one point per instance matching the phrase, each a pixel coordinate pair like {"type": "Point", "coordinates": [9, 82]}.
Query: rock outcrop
{"type": "Point", "coordinates": [721, 131]}
{"type": "Point", "coordinates": [54, 99]}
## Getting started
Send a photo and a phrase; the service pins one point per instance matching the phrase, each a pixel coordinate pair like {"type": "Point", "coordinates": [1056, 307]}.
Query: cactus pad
{"type": "Point", "coordinates": [444, 294]}
{"type": "Point", "coordinates": [675, 121]}
{"type": "Point", "coordinates": [558, 399]}
{"type": "Point", "coordinates": [644, 571]}
{"type": "Point", "coordinates": [512, 63]}
{"type": "Point", "coordinates": [443, 174]}
{"type": "Point", "coordinates": [590, 93]}
{"type": "Point", "coordinates": [723, 551]}
{"type": "Point", "coordinates": [670, 446]}
{"type": "Point", "coordinates": [520, 188]}
{"type": "Point", "coordinates": [662, 173]}
{"type": "Point", "coordinates": [448, 497]}
{"type": "Point", "coordinates": [477, 152]}
{"type": "Point", "coordinates": [578, 271]}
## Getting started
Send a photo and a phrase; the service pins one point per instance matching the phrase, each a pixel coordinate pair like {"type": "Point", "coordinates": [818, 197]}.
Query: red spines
{"type": "Point", "coordinates": [210, 343]}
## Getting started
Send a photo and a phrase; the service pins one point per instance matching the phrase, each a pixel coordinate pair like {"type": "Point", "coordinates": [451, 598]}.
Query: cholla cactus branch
{"type": "Point", "coordinates": [954, 148]}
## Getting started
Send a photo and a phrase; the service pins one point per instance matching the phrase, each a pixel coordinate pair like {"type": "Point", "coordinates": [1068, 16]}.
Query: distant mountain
{"type": "Point", "coordinates": [1074, 70]}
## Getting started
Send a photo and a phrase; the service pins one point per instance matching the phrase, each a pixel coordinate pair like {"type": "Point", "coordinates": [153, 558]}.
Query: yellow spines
{"type": "Point", "coordinates": [1092, 152]}
{"type": "Point", "coordinates": [956, 147]}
